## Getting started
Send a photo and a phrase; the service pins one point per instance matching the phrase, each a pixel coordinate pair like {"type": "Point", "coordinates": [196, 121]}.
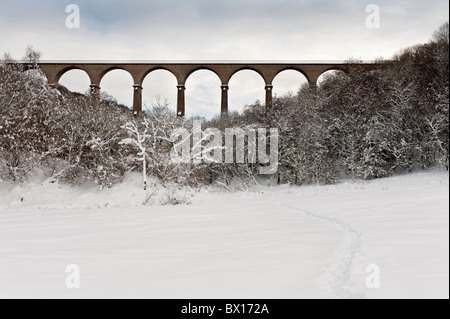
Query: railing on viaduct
{"type": "Point", "coordinates": [182, 70]}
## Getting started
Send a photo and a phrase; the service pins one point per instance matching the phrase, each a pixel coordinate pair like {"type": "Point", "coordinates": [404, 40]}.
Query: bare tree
{"type": "Point", "coordinates": [32, 57]}
{"type": "Point", "coordinates": [441, 34]}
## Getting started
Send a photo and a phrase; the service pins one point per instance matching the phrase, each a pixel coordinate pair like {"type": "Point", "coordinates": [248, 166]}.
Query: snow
{"type": "Point", "coordinates": [269, 242]}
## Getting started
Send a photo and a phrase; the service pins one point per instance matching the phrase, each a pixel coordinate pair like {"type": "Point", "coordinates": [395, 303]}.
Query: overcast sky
{"type": "Point", "coordinates": [299, 30]}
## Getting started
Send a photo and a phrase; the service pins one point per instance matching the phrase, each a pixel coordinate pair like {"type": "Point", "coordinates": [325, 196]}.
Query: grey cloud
{"type": "Point", "coordinates": [217, 30]}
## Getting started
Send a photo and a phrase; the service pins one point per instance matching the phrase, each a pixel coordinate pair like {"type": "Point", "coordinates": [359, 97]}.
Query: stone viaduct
{"type": "Point", "coordinates": [182, 70]}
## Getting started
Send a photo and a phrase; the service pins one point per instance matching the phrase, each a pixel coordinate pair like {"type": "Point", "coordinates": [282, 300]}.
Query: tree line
{"type": "Point", "coordinates": [360, 124]}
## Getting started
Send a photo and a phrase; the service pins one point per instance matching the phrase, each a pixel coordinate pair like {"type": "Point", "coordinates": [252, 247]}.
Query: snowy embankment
{"type": "Point", "coordinates": [279, 242]}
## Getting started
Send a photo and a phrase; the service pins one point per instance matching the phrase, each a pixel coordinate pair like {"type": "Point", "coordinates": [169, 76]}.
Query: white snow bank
{"type": "Point", "coordinates": [279, 242]}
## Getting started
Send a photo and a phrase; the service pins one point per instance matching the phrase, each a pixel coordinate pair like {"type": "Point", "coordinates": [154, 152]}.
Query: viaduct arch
{"type": "Point", "coordinates": [182, 71]}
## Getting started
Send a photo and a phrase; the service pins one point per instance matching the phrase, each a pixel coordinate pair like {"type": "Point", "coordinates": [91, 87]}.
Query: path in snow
{"type": "Point", "coordinates": [339, 283]}
{"type": "Point", "coordinates": [403, 227]}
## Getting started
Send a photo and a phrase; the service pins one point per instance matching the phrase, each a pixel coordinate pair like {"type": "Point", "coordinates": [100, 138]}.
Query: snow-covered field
{"type": "Point", "coordinates": [278, 242]}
